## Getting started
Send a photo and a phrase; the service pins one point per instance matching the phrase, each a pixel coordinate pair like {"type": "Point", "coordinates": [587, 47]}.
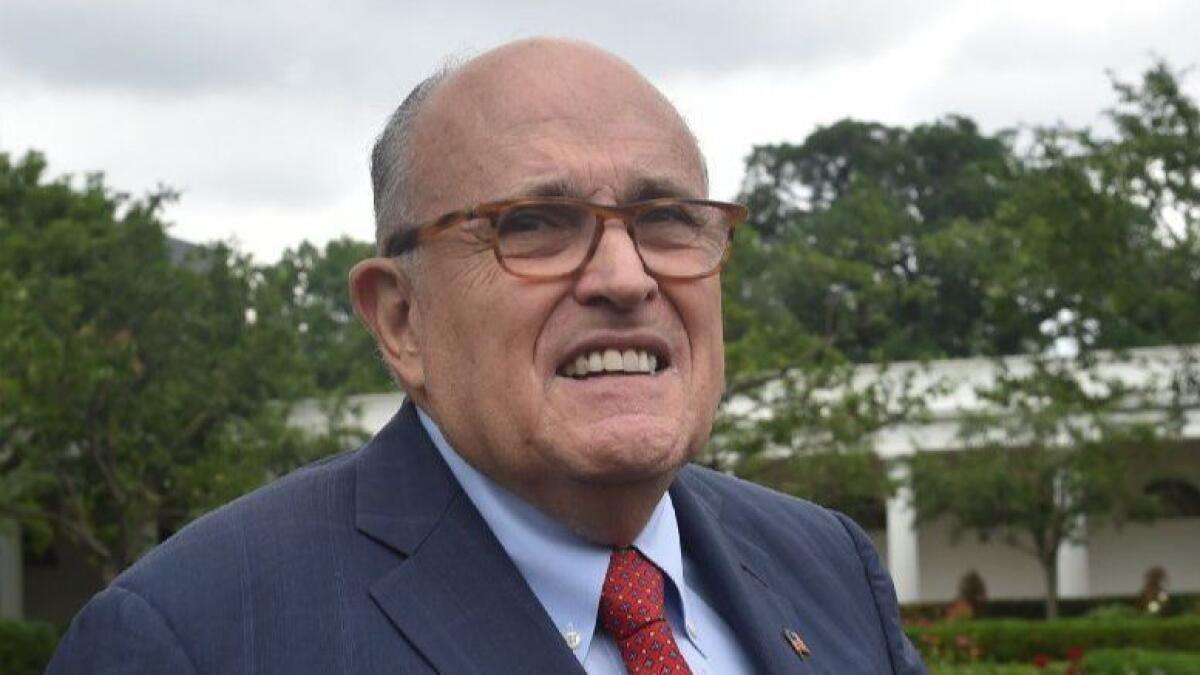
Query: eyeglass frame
{"type": "Point", "coordinates": [404, 240]}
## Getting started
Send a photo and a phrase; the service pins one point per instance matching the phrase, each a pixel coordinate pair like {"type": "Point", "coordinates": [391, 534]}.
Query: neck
{"type": "Point", "coordinates": [608, 512]}
{"type": "Point", "coordinates": [611, 515]}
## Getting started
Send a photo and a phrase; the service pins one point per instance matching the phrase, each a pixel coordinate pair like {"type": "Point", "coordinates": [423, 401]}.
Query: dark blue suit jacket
{"type": "Point", "coordinates": [375, 561]}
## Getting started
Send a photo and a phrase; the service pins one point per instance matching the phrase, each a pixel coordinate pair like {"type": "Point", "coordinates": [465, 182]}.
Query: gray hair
{"type": "Point", "coordinates": [391, 159]}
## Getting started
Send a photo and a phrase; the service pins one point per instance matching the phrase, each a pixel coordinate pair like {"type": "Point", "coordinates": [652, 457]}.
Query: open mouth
{"type": "Point", "coordinates": [599, 362]}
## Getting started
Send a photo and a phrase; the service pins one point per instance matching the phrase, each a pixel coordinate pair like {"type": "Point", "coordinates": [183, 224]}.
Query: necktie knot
{"type": "Point", "coordinates": [633, 611]}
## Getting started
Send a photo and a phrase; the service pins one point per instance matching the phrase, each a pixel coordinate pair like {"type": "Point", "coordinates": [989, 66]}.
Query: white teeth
{"type": "Point", "coordinates": [611, 361]}
{"type": "Point", "coordinates": [632, 364]}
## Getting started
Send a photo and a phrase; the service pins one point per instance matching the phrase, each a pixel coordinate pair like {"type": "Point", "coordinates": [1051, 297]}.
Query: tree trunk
{"type": "Point", "coordinates": [1050, 573]}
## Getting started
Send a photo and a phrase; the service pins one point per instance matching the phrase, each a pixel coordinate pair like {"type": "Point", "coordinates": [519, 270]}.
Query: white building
{"type": "Point", "coordinates": [925, 563]}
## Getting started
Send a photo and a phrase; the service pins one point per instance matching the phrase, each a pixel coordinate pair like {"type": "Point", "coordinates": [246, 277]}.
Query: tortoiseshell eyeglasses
{"type": "Point", "coordinates": [554, 237]}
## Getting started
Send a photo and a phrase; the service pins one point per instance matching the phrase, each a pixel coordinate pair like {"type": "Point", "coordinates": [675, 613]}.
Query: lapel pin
{"type": "Point", "coordinates": [796, 643]}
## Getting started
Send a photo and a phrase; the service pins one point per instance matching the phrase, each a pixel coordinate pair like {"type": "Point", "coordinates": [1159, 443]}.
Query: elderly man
{"type": "Point", "coordinates": [547, 296]}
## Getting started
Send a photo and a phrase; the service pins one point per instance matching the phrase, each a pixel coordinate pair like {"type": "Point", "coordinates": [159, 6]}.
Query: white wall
{"type": "Point", "coordinates": [1119, 558]}
{"type": "Point", "coordinates": [374, 411]}
{"type": "Point", "coordinates": [1006, 571]}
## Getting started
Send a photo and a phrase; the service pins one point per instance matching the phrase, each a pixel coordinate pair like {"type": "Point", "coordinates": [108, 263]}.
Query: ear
{"type": "Point", "coordinates": [383, 297]}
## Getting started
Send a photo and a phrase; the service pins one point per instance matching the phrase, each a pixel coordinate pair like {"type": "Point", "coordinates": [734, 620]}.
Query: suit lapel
{"type": "Point", "coordinates": [457, 597]}
{"type": "Point", "coordinates": [736, 578]}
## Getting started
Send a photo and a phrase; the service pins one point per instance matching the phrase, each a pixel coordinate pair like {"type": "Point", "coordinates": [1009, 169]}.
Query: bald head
{"type": "Point", "coordinates": [439, 150]}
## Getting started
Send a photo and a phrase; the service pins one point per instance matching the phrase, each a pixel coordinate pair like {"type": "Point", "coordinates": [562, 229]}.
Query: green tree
{"type": "Point", "coordinates": [313, 284]}
{"type": "Point", "coordinates": [139, 385]}
{"type": "Point", "coordinates": [1105, 255]}
{"type": "Point", "coordinates": [861, 247]}
{"type": "Point", "coordinates": [871, 243]}
{"type": "Point", "coordinates": [1059, 446]}
{"type": "Point", "coordinates": [875, 240]}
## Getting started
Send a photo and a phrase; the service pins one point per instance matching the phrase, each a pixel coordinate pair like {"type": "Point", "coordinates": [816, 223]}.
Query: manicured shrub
{"type": "Point", "coordinates": [1114, 611]}
{"type": "Point", "coordinates": [1035, 608]}
{"type": "Point", "coordinates": [26, 646]}
{"type": "Point", "coordinates": [1141, 662]}
{"type": "Point", "coordinates": [1009, 640]}
{"type": "Point", "coordinates": [984, 669]}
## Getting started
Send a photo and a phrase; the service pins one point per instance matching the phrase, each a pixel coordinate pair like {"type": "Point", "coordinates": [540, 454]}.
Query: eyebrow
{"type": "Point", "coordinates": [656, 188]}
{"type": "Point", "coordinates": [558, 187]}
{"type": "Point", "coordinates": [643, 189]}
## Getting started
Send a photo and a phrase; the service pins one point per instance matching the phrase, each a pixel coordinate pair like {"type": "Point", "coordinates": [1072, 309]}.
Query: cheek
{"type": "Point", "coordinates": [700, 309]}
{"type": "Point", "coordinates": [489, 329]}
{"type": "Point", "coordinates": [701, 312]}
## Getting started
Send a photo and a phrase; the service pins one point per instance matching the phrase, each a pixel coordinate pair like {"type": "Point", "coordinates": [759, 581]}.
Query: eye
{"type": "Point", "coordinates": [540, 231]}
{"type": "Point", "coordinates": [533, 220]}
{"type": "Point", "coordinates": [673, 214]}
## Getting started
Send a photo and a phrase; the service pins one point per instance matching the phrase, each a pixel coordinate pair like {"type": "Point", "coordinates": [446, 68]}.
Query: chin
{"type": "Point", "coordinates": [625, 450]}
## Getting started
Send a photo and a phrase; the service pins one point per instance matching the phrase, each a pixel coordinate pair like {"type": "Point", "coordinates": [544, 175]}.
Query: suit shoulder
{"type": "Point", "coordinates": [773, 514]}
{"type": "Point", "coordinates": [288, 507]}
{"type": "Point", "coordinates": [740, 494]}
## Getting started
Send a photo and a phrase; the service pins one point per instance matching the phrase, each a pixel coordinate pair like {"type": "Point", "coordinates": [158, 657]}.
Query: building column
{"type": "Point", "coordinates": [1073, 568]}
{"type": "Point", "coordinates": [903, 554]}
{"type": "Point", "coordinates": [1072, 557]}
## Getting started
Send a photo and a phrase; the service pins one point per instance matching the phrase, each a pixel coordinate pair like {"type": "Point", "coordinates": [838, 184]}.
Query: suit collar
{"type": "Point", "coordinates": [460, 601]}
{"type": "Point", "coordinates": [564, 570]}
{"type": "Point", "coordinates": [402, 488]}
{"type": "Point", "coordinates": [738, 575]}
{"type": "Point", "coordinates": [455, 595]}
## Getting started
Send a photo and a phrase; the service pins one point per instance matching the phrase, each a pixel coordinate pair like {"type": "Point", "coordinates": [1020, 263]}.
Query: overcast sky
{"type": "Point", "coordinates": [262, 113]}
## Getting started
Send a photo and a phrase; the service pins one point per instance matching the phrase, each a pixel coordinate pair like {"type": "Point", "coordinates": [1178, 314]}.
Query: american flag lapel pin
{"type": "Point", "coordinates": [796, 643]}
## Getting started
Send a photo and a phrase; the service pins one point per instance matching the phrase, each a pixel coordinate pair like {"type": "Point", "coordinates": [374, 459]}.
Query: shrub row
{"type": "Point", "coordinates": [26, 646]}
{"type": "Point", "coordinates": [1019, 641]}
{"type": "Point", "coordinates": [1141, 662]}
{"type": "Point", "coordinates": [986, 669]}
{"type": "Point", "coordinates": [1035, 608]}
{"type": "Point", "coordinates": [1102, 662]}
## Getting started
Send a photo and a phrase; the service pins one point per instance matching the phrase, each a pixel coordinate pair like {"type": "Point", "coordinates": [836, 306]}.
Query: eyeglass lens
{"type": "Point", "coordinates": [552, 239]}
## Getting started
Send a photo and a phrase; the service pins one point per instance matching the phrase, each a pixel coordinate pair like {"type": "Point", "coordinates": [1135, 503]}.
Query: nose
{"type": "Point", "coordinates": [615, 275]}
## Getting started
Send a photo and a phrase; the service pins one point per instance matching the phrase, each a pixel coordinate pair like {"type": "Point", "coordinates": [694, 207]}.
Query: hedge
{"type": "Point", "coordinates": [1035, 608]}
{"type": "Point", "coordinates": [1015, 640]}
{"type": "Point", "coordinates": [1100, 662]}
{"type": "Point", "coordinates": [26, 646]}
{"type": "Point", "coordinates": [1141, 662]}
{"type": "Point", "coordinates": [986, 669]}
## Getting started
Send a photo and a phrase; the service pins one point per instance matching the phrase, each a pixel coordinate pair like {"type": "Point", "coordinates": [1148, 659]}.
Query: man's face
{"type": "Point", "coordinates": [494, 347]}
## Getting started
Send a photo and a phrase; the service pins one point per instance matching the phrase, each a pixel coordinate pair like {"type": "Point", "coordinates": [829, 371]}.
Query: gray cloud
{"type": "Point", "coordinates": [263, 112]}
{"type": "Point", "coordinates": [188, 47]}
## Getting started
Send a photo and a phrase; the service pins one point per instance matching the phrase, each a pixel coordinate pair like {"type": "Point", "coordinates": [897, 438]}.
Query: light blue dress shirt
{"type": "Point", "coordinates": [566, 573]}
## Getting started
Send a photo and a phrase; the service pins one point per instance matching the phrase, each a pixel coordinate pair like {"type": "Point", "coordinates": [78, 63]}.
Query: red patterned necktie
{"type": "Point", "coordinates": [633, 611]}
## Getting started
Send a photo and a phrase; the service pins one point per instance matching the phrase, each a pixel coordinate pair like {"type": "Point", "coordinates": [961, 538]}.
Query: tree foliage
{"type": "Point", "coordinates": [871, 243]}
{"type": "Point", "coordinates": [873, 236]}
{"type": "Point", "coordinates": [1057, 445]}
{"type": "Point", "coordinates": [141, 382]}
{"type": "Point", "coordinates": [879, 244]}
{"type": "Point", "coordinates": [1109, 258]}
{"type": "Point", "coordinates": [337, 352]}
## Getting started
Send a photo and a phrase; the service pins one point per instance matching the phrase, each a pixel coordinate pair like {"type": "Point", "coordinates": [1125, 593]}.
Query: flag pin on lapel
{"type": "Point", "coordinates": [796, 643]}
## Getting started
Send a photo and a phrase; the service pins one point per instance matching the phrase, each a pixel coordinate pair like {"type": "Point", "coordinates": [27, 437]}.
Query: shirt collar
{"type": "Point", "coordinates": [564, 570]}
